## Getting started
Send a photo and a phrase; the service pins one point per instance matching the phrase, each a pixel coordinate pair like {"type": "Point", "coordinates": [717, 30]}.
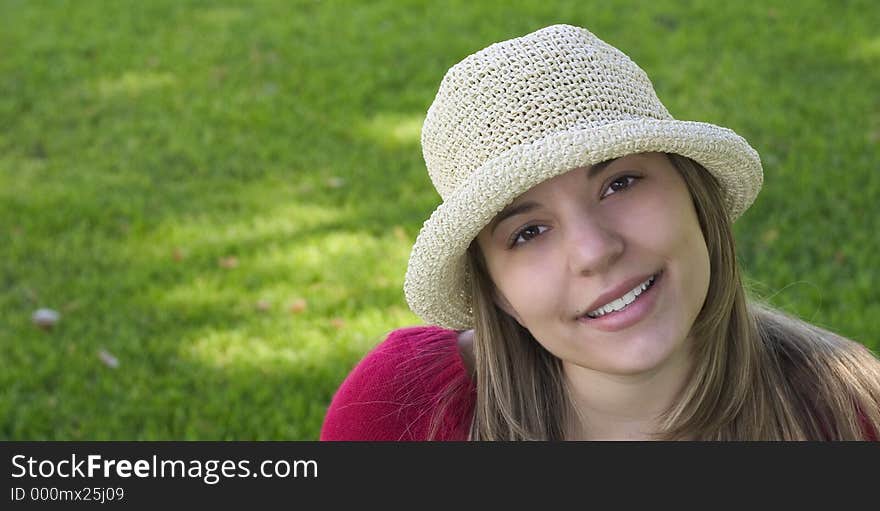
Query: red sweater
{"type": "Point", "coordinates": [396, 390]}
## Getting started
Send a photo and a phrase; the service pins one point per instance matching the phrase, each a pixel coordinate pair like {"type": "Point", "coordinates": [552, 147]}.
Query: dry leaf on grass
{"type": "Point", "coordinates": [228, 262]}
{"type": "Point", "coordinates": [108, 359]}
{"type": "Point", "coordinates": [335, 182]}
{"type": "Point", "coordinates": [298, 306]}
{"type": "Point", "coordinates": [45, 318]}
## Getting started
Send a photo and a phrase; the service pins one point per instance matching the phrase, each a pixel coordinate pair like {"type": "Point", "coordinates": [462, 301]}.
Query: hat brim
{"type": "Point", "coordinates": [435, 283]}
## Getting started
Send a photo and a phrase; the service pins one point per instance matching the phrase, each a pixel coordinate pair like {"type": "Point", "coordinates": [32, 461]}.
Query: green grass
{"type": "Point", "coordinates": [144, 144]}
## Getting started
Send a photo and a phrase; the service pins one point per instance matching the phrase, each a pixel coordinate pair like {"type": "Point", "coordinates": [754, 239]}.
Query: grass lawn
{"type": "Point", "coordinates": [220, 197]}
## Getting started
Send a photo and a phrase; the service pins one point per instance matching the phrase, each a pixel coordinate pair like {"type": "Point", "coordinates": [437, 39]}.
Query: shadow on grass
{"type": "Point", "coordinates": [197, 361]}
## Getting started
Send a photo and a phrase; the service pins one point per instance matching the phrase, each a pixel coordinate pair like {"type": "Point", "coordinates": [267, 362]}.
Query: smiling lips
{"type": "Point", "coordinates": [619, 297]}
{"type": "Point", "coordinates": [623, 301]}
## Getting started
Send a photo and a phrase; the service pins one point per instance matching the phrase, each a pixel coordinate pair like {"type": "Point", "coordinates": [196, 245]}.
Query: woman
{"type": "Point", "coordinates": [582, 275]}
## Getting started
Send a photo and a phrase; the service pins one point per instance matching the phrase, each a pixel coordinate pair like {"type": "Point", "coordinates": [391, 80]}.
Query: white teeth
{"type": "Point", "coordinates": [623, 301]}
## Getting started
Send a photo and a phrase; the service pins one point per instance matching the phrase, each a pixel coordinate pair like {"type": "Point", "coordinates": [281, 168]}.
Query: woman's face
{"type": "Point", "coordinates": [557, 251]}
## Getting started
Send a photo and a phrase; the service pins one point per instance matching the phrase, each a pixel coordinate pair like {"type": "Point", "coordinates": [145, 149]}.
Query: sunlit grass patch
{"type": "Point", "coordinates": [134, 83]}
{"type": "Point", "coordinates": [392, 130]}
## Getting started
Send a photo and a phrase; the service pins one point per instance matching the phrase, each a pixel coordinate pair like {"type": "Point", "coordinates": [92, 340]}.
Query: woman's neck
{"type": "Point", "coordinates": [622, 407]}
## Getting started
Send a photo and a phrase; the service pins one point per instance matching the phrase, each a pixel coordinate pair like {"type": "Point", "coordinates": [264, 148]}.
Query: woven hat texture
{"type": "Point", "coordinates": [525, 110]}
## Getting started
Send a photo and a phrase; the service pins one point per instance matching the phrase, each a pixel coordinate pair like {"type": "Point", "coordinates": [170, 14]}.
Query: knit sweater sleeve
{"type": "Point", "coordinates": [397, 392]}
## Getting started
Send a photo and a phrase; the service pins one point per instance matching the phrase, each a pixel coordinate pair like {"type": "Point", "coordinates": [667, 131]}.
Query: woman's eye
{"type": "Point", "coordinates": [620, 183]}
{"type": "Point", "coordinates": [527, 234]}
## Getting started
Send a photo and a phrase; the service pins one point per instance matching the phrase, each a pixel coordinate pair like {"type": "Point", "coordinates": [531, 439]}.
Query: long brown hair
{"type": "Point", "coordinates": [761, 374]}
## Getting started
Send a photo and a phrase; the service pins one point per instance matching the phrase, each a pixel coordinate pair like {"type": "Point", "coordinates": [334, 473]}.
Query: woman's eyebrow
{"type": "Point", "coordinates": [597, 169]}
{"type": "Point", "coordinates": [513, 209]}
{"type": "Point", "coordinates": [525, 207]}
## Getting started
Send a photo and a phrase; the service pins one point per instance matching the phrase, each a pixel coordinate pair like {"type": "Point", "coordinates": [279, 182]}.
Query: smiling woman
{"type": "Point", "coordinates": [582, 275]}
{"type": "Point", "coordinates": [575, 284]}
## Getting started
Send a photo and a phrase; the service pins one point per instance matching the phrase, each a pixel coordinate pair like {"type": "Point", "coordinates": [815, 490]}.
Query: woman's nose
{"type": "Point", "coordinates": [593, 245]}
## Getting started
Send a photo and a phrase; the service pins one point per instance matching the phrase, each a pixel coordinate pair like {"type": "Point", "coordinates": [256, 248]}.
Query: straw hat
{"type": "Point", "coordinates": [522, 111]}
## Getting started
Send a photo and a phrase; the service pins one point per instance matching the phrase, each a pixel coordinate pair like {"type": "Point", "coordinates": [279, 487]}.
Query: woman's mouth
{"type": "Point", "coordinates": [629, 309]}
{"type": "Point", "coordinates": [624, 301]}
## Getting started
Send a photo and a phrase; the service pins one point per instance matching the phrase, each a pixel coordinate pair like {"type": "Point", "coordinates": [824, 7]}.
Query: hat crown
{"type": "Point", "coordinates": [519, 91]}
